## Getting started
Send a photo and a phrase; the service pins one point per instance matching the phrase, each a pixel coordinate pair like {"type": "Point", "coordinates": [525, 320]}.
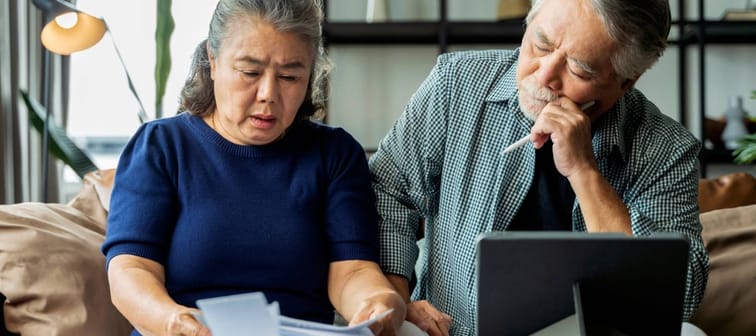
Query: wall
{"type": "Point", "coordinates": [371, 84]}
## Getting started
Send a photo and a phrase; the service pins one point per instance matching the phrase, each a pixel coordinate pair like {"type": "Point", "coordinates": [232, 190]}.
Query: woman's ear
{"type": "Point", "coordinates": [210, 59]}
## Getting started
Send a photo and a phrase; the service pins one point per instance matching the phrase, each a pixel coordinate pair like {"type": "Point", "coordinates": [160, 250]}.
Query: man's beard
{"type": "Point", "coordinates": [533, 98]}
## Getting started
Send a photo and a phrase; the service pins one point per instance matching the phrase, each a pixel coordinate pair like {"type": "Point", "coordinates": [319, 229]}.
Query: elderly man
{"type": "Point", "coordinates": [618, 166]}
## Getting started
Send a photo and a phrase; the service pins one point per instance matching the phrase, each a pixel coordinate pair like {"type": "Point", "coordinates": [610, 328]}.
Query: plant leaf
{"type": "Point", "coordinates": [746, 150]}
{"type": "Point", "coordinates": [163, 32]}
{"type": "Point", "coordinates": [59, 145]}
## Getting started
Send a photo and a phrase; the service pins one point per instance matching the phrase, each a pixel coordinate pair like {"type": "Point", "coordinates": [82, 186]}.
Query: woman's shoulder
{"type": "Point", "coordinates": [177, 120]}
{"type": "Point", "coordinates": [326, 132]}
{"type": "Point", "coordinates": [176, 124]}
{"type": "Point", "coordinates": [329, 136]}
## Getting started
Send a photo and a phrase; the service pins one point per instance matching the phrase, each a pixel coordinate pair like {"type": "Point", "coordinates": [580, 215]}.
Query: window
{"type": "Point", "coordinates": [102, 110]}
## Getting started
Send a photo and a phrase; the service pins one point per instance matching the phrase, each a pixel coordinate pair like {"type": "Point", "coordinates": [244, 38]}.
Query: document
{"type": "Point", "coordinates": [250, 314]}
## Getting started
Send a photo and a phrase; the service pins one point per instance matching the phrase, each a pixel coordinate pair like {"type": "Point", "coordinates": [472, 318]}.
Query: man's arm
{"type": "Point", "coordinates": [405, 172]}
{"type": "Point", "coordinates": [570, 130]}
{"type": "Point", "coordinates": [602, 209]}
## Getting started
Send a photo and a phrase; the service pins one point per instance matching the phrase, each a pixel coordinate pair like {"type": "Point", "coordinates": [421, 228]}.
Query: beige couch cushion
{"type": "Point", "coordinates": [726, 191]}
{"type": "Point", "coordinates": [729, 304]}
{"type": "Point", "coordinates": [52, 272]}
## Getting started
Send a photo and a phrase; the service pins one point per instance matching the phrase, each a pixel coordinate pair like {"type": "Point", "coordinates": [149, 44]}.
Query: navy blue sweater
{"type": "Point", "coordinates": [226, 219]}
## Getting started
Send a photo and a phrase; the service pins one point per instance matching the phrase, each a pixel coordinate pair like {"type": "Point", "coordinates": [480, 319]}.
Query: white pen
{"type": "Point", "coordinates": [526, 139]}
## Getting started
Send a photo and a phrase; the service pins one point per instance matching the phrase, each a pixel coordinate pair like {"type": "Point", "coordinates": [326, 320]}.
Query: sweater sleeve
{"type": "Point", "coordinates": [143, 207]}
{"type": "Point", "coordinates": [350, 214]}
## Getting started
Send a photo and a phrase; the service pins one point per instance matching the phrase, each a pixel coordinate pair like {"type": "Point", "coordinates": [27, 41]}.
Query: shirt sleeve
{"type": "Point", "coordinates": [667, 201]}
{"type": "Point", "coordinates": [406, 170]}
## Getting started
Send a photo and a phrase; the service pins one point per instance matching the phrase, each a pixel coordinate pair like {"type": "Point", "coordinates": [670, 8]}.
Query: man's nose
{"type": "Point", "coordinates": [549, 73]}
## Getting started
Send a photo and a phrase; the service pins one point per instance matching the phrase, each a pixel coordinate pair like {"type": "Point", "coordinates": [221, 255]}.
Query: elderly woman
{"type": "Point", "coordinates": [242, 192]}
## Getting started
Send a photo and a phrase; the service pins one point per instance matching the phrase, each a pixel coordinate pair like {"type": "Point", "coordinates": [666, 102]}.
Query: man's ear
{"type": "Point", "coordinates": [627, 84]}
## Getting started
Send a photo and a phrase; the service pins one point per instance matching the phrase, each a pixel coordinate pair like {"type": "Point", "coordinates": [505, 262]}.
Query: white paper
{"type": "Point", "coordinates": [250, 314]}
{"type": "Point", "coordinates": [239, 315]}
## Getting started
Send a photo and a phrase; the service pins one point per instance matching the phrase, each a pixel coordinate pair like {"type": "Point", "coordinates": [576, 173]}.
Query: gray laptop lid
{"type": "Point", "coordinates": [626, 285]}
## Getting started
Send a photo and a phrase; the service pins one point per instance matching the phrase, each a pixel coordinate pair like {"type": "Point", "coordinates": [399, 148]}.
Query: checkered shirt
{"type": "Point", "coordinates": [442, 161]}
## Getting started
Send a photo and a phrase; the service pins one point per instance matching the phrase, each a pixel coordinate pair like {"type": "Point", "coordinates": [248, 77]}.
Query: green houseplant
{"type": "Point", "coordinates": [163, 32]}
{"type": "Point", "coordinates": [746, 151]}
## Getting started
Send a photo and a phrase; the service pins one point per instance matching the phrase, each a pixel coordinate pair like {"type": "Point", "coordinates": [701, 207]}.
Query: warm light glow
{"type": "Point", "coordinates": [67, 20]}
{"type": "Point", "coordinates": [86, 31]}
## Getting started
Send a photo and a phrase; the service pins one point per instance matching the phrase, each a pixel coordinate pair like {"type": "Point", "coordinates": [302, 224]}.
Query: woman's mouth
{"type": "Point", "coordinates": [263, 121]}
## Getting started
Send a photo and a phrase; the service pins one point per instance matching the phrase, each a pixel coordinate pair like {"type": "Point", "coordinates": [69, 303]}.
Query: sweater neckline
{"type": "Point", "coordinates": [207, 133]}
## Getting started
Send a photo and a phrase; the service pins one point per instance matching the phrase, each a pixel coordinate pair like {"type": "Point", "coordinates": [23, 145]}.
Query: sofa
{"type": "Point", "coordinates": [53, 282]}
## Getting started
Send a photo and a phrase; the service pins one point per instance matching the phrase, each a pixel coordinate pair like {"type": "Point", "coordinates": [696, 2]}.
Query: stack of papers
{"type": "Point", "coordinates": [250, 314]}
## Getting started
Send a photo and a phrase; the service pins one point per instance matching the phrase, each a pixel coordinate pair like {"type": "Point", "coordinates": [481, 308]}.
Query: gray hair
{"type": "Point", "coordinates": [640, 27]}
{"type": "Point", "coordinates": [302, 17]}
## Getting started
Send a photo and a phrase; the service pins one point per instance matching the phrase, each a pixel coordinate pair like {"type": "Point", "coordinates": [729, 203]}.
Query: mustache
{"type": "Point", "coordinates": [536, 91]}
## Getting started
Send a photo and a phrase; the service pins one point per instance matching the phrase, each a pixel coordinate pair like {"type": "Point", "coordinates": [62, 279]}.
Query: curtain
{"type": "Point", "coordinates": [21, 68]}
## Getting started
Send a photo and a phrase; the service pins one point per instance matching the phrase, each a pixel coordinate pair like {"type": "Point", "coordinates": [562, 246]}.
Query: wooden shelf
{"type": "Point", "coordinates": [722, 32]}
{"type": "Point", "coordinates": [381, 33]}
{"type": "Point", "coordinates": [423, 32]}
{"type": "Point", "coordinates": [507, 32]}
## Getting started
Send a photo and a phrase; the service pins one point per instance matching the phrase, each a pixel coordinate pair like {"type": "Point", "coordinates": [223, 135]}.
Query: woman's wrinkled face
{"type": "Point", "coordinates": [260, 79]}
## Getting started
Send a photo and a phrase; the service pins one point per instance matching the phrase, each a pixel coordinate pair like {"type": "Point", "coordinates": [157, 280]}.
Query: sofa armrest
{"type": "Point", "coordinates": [730, 296]}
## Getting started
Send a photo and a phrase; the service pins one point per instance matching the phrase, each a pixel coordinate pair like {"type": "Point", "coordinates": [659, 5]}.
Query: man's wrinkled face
{"type": "Point", "coordinates": [566, 52]}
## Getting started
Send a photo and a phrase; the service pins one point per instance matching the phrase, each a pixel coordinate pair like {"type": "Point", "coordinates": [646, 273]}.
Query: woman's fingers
{"type": "Point", "coordinates": [183, 323]}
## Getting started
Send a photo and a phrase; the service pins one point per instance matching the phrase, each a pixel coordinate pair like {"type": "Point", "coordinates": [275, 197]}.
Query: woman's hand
{"type": "Point", "coordinates": [377, 304]}
{"type": "Point", "coordinates": [183, 323]}
{"type": "Point", "coordinates": [137, 289]}
{"type": "Point", "coordinates": [429, 319]}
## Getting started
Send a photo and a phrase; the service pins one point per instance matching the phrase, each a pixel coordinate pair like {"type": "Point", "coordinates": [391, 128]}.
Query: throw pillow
{"type": "Point", "coordinates": [730, 297]}
{"type": "Point", "coordinates": [727, 191]}
{"type": "Point", "coordinates": [52, 272]}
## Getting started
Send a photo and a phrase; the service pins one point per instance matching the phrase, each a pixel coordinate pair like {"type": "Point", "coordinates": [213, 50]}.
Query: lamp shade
{"type": "Point", "coordinates": [85, 32]}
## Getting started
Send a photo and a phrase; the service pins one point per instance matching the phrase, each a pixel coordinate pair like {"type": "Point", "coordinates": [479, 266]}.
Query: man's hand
{"type": "Point", "coordinates": [570, 130]}
{"type": "Point", "coordinates": [428, 318]}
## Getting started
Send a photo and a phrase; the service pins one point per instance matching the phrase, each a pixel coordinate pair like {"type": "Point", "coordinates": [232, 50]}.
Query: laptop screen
{"type": "Point", "coordinates": [528, 281]}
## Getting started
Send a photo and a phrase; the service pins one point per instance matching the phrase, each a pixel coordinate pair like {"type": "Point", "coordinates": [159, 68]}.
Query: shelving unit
{"type": "Point", "coordinates": [442, 32]}
{"type": "Point", "coordinates": [702, 33]}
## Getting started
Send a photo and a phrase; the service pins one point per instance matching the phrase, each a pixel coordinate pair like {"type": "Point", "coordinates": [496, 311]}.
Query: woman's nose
{"type": "Point", "coordinates": [266, 91]}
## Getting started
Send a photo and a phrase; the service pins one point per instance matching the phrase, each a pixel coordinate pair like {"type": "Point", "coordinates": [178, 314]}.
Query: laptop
{"type": "Point", "coordinates": [593, 284]}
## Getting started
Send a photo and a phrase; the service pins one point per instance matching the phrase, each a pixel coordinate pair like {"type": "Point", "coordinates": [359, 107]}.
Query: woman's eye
{"type": "Point", "coordinates": [288, 78]}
